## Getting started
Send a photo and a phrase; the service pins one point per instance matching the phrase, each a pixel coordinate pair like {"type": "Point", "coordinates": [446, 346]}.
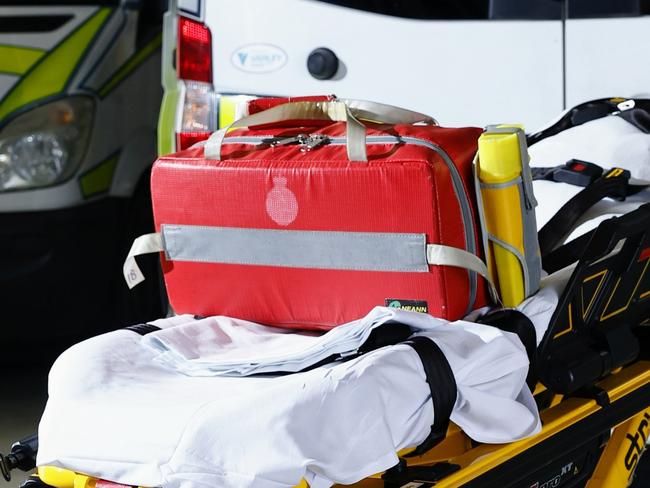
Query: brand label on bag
{"type": "Point", "coordinates": [410, 305]}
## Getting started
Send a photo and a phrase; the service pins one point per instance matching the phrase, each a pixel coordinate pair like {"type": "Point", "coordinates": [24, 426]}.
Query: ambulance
{"type": "Point", "coordinates": [79, 99]}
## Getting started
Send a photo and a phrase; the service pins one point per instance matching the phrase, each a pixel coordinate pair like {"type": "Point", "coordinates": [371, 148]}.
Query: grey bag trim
{"type": "Point", "coordinates": [363, 251]}
{"type": "Point", "coordinates": [494, 294]}
{"type": "Point", "coordinates": [499, 186]}
{"type": "Point", "coordinates": [465, 209]}
{"type": "Point", "coordinates": [520, 258]}
{"type": "Point", "coordinates": [532, 259]}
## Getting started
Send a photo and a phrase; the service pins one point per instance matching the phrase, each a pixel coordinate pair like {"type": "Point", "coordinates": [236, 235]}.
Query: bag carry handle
{"type": "Point", "coordinates": [384, 113]}
{"type": "Point", "coordinates": [336, 111]}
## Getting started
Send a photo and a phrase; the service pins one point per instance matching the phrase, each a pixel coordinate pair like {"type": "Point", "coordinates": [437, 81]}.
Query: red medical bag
{"type": "Point", "coordinates": [308, 218]}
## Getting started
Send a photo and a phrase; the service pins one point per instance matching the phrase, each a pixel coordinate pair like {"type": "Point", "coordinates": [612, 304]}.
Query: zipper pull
{"type": "Point", "coordinates": [313, 141]}
{"type": "Point", "coordinates": [283, 141]}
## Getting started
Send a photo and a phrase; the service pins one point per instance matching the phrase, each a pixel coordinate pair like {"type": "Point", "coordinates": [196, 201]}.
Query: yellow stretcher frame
{"type": "Point", "coordinates": [611, 470]}
{"type": "Point", "coordinates": [627, 416]}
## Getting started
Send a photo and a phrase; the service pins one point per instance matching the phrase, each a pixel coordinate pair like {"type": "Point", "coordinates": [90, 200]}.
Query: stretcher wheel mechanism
{"type": "Point", "coordinates": [22, 457]}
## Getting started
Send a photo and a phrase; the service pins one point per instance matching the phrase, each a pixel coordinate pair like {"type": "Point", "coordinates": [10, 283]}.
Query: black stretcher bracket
{"type": "Point", "coordinates": [592, 331]}
{"type": "Point", "coordinates": [22, 457]}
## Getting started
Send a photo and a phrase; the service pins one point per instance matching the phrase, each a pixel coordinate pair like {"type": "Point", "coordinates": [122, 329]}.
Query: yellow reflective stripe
{"type": "Point", "coordinates": [130, 65]}
{"type": "Point", "coordinates": [167, 122]}
{"type": "Point", "coordinates": [98, 179]}
{"type": "Point", "coordinates": [16, 60]}
{"type": "Point", "coordinates": [228, 105]}
{"type": "Point", "coordinates": [227, 110]}
{"type": "Point", "coordinates": [50, 75]}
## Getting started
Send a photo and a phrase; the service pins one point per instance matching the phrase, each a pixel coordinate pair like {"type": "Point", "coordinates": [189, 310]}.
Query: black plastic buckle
{"type": "Point", "coordinates": [577, 172]}
{"type": "Point", "coordinates": [622, 177]}
{"type": "Point", "coordinates": [618, 173]}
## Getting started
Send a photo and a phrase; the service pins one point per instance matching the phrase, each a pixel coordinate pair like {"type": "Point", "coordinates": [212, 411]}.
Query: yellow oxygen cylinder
{"type": "Point", "coordinates": [508, 213]}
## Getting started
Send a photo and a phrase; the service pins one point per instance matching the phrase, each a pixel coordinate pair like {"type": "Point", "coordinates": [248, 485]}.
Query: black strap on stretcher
{"type": "Point", "coordinates": [635, 111]}
{"type": "Point", "coordinates": [514, 321]}
{"type": "Point", "coordinates": [442, 384]}
{"type": "Point", "coordinates": [598, 184]}
{"type": "Point", "coordinates": [142, 329]}
{"type": "Point", "coordinates": [444, 391]}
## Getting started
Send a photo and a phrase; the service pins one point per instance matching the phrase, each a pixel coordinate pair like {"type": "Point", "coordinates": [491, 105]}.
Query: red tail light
{"type": "Point", "coordinates": [194, 54]}
{"type": "Point", "coordinates": [187, 139]}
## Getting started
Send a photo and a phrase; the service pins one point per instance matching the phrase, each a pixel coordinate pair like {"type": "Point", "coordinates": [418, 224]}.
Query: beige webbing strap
{"type": "Point", "coordinates": [344, 110]}
{"type": "Point", "coordinates": [334, 111]}
{"type": "Point", "coordinates": [145, 244]}
{"type": "Point", "coordinates": [385, 114]}
{"type": "Point", "coordinates": [452, 256]}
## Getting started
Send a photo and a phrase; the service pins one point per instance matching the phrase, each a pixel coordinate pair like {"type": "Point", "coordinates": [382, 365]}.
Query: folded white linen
{"type": "Point", "coordinates": [234, 347]}
{"type": "Point", "coordinates": [116, 413]}
{"type": "Point", "coordinates": [219, 345]}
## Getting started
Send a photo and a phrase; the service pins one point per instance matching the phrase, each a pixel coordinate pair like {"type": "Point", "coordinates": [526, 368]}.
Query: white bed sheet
{"type": "Point", "coordinates": [116, 413]}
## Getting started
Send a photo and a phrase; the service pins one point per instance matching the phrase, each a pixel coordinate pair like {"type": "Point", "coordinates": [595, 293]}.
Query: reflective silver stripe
{"type": "Point", "coordinates": [200, 244]}
{"type": "Point", "coordinates": [363, 251]}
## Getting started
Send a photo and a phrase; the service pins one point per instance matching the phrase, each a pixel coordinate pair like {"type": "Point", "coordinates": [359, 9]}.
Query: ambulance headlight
{"type": "Point", "coordinates": [45, 146]}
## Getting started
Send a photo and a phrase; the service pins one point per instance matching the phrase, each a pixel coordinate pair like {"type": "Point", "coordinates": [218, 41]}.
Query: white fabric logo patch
{"type": "Point", "coordinates": [281, 203]}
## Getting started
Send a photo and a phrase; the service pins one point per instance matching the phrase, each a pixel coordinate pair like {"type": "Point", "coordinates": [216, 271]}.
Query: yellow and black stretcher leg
{"type": "Point", "coordinates": [575, 448]}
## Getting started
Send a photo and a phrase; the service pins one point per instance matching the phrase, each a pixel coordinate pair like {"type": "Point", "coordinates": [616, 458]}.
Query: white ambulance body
{"type": "Point", "coordinates": [465, 62]}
